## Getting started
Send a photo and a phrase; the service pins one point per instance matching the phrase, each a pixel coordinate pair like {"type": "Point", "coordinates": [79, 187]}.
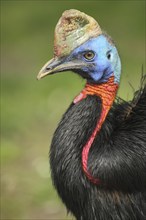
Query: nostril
{"type": "Point", "coordinates": [48, 68]}
{"type": "Point", "coordinates": [51, 66]}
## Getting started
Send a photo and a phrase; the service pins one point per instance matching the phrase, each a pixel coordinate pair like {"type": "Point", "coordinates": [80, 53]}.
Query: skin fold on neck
{"type": "Point", "coordinates": [107, 92]}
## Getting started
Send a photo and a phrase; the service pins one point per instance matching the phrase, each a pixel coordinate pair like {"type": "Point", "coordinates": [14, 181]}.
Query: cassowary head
{"type": "Point", "coordinates": [81, 46]}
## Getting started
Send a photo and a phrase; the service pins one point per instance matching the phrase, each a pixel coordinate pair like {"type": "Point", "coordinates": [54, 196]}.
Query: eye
{"type": "Point", "coordinates": [89, 55]}
{"type": "Point", "coordinates": [108, 54]}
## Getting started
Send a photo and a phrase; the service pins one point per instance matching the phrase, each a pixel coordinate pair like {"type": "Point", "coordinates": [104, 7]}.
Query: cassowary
{"type": "Point", "coordinates": [98, 151]}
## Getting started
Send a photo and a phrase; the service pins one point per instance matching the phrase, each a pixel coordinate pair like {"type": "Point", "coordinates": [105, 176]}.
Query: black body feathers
{"type": "Point", "coordinates": [117, 157]}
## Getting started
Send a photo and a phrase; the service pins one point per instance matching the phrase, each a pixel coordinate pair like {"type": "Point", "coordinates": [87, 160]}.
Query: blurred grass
{"type": "Point", "coordinates": [32, 109]}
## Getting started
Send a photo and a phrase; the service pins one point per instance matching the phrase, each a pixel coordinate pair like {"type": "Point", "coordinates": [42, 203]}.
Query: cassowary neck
{"type": "Point", "coordinates": [107, 92]}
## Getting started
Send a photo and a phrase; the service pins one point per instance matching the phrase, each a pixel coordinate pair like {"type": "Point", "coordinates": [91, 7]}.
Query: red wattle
{"type": "Point", "coordinates": [106, 91]}
{"type": "Point", "coordinates": [86, 148]}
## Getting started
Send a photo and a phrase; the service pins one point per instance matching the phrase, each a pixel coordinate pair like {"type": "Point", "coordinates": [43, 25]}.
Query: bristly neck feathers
{"type": "Point", "coordinates": [107, 92]}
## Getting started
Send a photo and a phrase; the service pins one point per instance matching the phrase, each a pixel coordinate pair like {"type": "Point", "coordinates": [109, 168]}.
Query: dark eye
{"type": "Point", "coordinates": [108, 55]}
{"type": "Point", "coordinates": [89, 55]}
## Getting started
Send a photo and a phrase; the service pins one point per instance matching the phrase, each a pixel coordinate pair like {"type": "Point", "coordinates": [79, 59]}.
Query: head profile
{"type": "Point", "coordinates": [82, 47]}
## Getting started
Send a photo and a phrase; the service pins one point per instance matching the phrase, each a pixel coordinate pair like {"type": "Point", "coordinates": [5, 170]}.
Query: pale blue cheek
{"type": "Point", "coordinates": [102, 74]}
{"type": "Point", "coordinates": [116, 65]}
{"type": "Point", "coordinates": [117, 71]}
{"type": "Point", "coordinates": [100, 77]}
{"type": "Point", "coordinates": [96, 76]}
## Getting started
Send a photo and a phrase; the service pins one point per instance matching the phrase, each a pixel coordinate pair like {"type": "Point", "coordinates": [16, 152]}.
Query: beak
{"type": "Point", "coordinates": [50, 67]}
{"type": "Point", "coordinates": [58, 65]}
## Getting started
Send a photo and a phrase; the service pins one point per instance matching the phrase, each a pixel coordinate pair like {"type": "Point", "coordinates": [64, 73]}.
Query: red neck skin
{"type": "Point", "coordinates": [107, 92]}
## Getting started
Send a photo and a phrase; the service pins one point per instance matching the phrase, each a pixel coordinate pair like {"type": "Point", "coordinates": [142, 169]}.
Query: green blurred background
{"type": "Point", "coordinates": [31, 109]}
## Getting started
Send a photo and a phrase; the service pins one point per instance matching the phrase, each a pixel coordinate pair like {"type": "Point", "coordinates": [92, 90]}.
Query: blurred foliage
{"type": "Point", "coordinates": [32, 109]}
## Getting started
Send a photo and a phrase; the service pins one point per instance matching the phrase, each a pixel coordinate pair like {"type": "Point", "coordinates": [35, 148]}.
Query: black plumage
{"type": "Point", "coordinates": [117, 157]}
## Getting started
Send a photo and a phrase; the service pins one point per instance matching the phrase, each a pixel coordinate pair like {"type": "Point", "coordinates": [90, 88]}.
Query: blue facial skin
{"type": "Point", "coordinates": [104, 64]}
